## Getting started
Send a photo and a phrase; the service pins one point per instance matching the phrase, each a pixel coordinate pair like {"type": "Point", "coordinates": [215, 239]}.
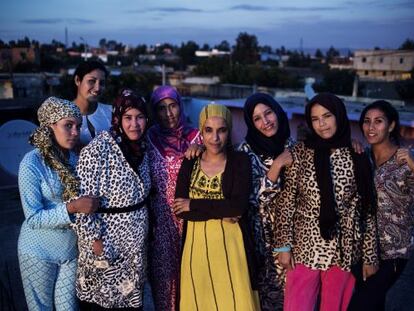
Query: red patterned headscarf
{"type": "Point", "coordinates": [132, 150]}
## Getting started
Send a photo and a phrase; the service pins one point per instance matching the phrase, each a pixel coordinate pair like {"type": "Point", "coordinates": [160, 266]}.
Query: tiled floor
{"type": "Point", "coordinates": [11, 291]}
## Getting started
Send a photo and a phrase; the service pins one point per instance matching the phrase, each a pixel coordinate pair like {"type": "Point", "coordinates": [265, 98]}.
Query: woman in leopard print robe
{"type": "Point", "coordinates": [267, 143]}
{"type": "Point", "coordinates": [113, 242]}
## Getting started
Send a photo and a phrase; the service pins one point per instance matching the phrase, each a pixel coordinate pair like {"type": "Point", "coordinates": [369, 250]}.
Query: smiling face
{"type": "Point", "coordinates": [66, 132]}
{"type": "Point", "coordinates": [323, 121]}
{"type": "Point", "coordinates": [168, 113]}
{"type": "Point", "coordinates": [265, 120]}
{"type": "Point", "coordinates": [91, 86]}
{"type": "Point", "coordinates": [133, 123]}
{"type": "Point", "coordinates": [215, 135]}
{"type": "Point", "coordinates": [376, 127]}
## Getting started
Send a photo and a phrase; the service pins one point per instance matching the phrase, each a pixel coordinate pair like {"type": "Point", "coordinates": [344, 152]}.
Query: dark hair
{"type": "Point", "coordinates": [86, 67]}
{"type": "Point", "coordinates": [390, 113]}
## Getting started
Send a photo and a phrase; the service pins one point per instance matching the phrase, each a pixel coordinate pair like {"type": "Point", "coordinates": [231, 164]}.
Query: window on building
{"type": "Point", "coordinates": [384, 73]}
{"type": "Point", "coordinates": [366, 72]}
{"type": "Point", "coordinates": [364, 59]}
{"type": "Point", "coordinates": [381, 60]}
{"type": "Point", "coordinates": [401, 60]}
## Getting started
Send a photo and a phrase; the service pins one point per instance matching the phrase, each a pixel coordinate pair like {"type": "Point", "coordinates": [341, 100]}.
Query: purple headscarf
{"type": "Point", "coordinates": [170, 142]}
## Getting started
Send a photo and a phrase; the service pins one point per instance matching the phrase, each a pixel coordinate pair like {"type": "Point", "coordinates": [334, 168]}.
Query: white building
{"type": "Point", "coordinates": [385, 65]}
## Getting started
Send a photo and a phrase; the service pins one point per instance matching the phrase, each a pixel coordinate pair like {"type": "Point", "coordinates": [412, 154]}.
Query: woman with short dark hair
{"type": "Point", "coordinates": [89, 81]}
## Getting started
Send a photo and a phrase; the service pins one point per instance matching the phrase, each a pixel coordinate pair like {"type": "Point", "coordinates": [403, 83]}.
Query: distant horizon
{"type": "Point", "coordinates": [306, 50]}
{"type": "Point", "coordinates": [348, 24]}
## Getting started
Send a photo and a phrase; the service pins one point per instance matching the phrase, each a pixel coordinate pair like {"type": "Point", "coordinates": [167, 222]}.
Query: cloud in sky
{"type": "Point", "coordinates": [167, 10]}
{"type": "Point", "coordinates": [248, 7]}
{"type": "Point", "coordinates": [48, 21]}
{"type": "Point", "coordinates": [42, 21]}
{"type": "Point", "coordinates": [346, 23]}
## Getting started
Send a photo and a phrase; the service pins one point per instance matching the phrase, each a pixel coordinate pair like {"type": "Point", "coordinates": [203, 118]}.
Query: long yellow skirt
{"type": "Point", "coordinates": [214, 273]}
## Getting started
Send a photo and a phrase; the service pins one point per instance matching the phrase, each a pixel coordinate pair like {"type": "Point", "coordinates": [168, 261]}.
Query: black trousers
{"type": "Point", "coordinates": [370, 295]}
{"type": "Point", "coordinates": [88, 306]}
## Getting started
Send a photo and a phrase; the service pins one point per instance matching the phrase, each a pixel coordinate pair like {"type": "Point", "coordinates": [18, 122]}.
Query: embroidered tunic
{"type": "Point", "coordinates": [116, 278]}
{"type": "Point", "coordinates": [214, 270]}
{"type": "Point", "coordinates": [298, 214]}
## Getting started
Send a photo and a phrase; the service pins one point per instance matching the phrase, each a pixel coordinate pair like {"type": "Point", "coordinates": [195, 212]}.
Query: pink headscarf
{"type": "Point", "coordinates": [170, 142]}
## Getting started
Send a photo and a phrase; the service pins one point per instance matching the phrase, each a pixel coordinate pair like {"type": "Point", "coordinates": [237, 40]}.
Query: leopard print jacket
{"type": "Point", "coordinates": [298, 207]}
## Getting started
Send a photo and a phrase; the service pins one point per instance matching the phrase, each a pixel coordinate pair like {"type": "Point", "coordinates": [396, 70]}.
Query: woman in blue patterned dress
{"type": "Point", "coordinates": [47, 245]}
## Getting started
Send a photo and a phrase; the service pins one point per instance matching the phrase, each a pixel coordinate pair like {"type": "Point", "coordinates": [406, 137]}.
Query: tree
{"type": "Point", "coordinates": [318, 53]}
{"type": "Point", "coordinates": [206, 47]}
{"type": "Point", "coordinates": [246, 50]}
{"type": "Point", "coordinates": [102, 43]}
{"type": "Point", "coordinates": [140, 49]}
{"type": "Point", "coordinates": [408, 44]}
{"type": "Point", "coordinates": [299, 60]}
{"type": "Point", "coordinates": [337, 81]}
{"type": "Point", "coordinates": [223, 46]}
{"type": "Point", "coordinates": [332, 53]}
{"type": "Point", "coordinates": [281, 51]}
{"type": "Point", "coordinates": [266, 49]}
{"type": "Point", "coordinates": [187, 52]}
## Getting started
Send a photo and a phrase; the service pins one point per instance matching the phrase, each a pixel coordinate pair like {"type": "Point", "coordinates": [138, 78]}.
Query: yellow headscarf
{"type": "Point", "coordinates": [215, 110]}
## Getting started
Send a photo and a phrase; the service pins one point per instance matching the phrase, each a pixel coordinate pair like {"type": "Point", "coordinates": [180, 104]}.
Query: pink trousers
{"type": "Point", "coordinates": [303, 285]}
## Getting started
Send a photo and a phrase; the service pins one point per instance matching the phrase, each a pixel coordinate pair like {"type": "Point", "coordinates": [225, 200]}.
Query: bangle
{"type": "Point", "coordinates": [281, 249]}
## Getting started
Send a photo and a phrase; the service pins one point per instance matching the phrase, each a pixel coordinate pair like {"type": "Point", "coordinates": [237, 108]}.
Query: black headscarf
{"type": "Point", "coordinates": [328, 217]}
{"type": "Point", "coordinates": [132, 150]}
{"type": "Point", "coordinates": [263, 146]}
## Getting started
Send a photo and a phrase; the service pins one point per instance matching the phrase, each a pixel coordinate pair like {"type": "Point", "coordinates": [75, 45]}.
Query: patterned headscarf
{"type": "Point", "coordinates": [266, 147]}
{"type": "Point", "coordinates": [328, 216]}
{"type": "Point", "coordinates": [51, 111]}
{"type": "Point", "coordinates": [215, 110]}
{"type": "Point", "coordinates": [170, 142]}
{"type": "Point", "coordinates": [132, 150]}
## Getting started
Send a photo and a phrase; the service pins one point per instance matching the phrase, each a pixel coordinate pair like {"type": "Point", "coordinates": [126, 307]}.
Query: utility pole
{"type": "Point", "coordinates": [84, 48]}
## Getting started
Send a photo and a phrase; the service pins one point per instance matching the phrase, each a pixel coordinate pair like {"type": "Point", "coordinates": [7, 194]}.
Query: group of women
{"type": "Point", "coordinates": [269, 225]}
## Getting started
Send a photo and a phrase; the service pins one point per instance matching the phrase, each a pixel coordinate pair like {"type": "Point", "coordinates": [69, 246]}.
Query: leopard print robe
{"type": "Point", "coordinates": [114, 279]}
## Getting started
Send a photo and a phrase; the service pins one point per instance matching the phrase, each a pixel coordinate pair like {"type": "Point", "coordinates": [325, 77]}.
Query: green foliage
{"type": "Point", "coordinates": [331, 53]}
{"type": "Point", "coordinates": [318, 53]}
{"type": "Point", "coordinates": [408, 44]}
{"type": "Point", "coordinates": [187, 53]}
{"type": "Point", "coordinates": [406, 88]}
{"type": "Point", "coordinates": [337, 81]}
{"type": "Point", "coordinates": [142, 83]}
{"type": "Point", "coordinates": [212, 66]}
{"type": "Point", "coordinates": [246, 50]}
{"type": "Point", "coordinates": [270, 76]}
{"type": "Point", "coordinates": [297, 59]}
{"type": "Point", "coordinates": [223, 46]}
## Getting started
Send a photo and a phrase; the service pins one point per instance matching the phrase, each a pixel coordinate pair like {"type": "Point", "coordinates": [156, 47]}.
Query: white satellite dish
{"type": "Point", "coordinates": [14, 136]}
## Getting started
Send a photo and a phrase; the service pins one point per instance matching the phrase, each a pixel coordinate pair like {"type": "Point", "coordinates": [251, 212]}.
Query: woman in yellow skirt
{"type": "Point", "coordinates": [212, 195]}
